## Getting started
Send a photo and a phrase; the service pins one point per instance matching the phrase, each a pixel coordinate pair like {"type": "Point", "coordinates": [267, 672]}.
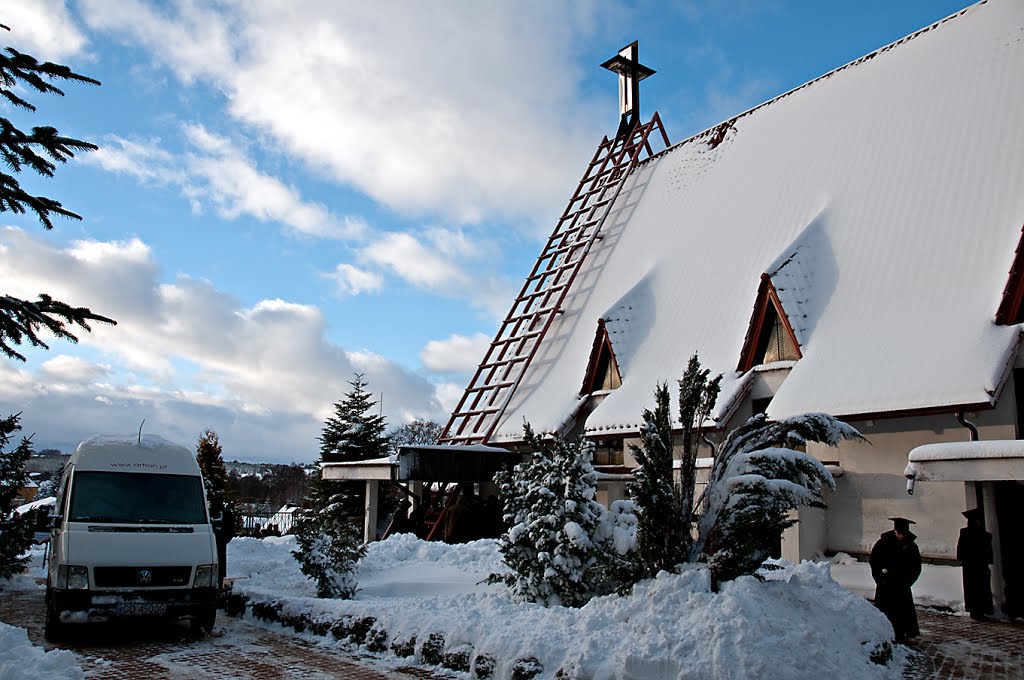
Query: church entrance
{"type": "Point", "coordinates": [1009, 501]}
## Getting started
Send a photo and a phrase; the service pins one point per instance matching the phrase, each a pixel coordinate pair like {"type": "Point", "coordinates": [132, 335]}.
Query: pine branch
{"type": "Point", "coordinates": [23, 320]}
{"type": "Point", "coordinates": [44, 147]}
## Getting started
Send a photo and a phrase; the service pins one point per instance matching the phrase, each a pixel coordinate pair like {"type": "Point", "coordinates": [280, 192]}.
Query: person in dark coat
{"type": "Point", "coordinates": [974, 550]}
{"type": "Point", "coordinates": [895, 566]}
{"type": "Point", "coordinates": [224, 529]}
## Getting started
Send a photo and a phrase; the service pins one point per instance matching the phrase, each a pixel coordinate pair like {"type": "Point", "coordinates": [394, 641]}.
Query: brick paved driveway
{"type": "Point", "coordinates": [238, 649]}
{"type": "Point", "coordinates": [960, 648]}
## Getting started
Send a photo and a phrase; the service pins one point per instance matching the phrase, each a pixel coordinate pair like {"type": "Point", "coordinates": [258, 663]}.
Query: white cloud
{"type": "Point", "coordinates": [216, 171]}
{"type": "Point", "coordinates": [449, 395]}
{"type": "Point", "coordinates": [43, 29]}
{"type": "Point", "coordinates": [68, 369]}
{"type": "Point", "coordinates": [415, 262]}
{"type": "Point", "coordinates": [145, 161]}
{"type": "Point", "coordinates": [398, 100]}
{"type": "Point", "coordinates": [354, 281]}
{"type": "Point", "coordinates": [456, 354]}
{"type": "Point", "coordinates": [184, 355]}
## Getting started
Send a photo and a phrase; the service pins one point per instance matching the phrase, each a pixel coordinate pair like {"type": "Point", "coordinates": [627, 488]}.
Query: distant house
{"type": "Point", "coordinates": [853, 246]}
{"type": "Point", "coordinates": [27, 492]}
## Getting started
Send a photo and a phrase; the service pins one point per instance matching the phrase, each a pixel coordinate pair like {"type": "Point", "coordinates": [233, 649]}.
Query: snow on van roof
{"type": "Point", "coordinates": [883, 201]}
{"type": "Point", "coordinates": [131, 453]}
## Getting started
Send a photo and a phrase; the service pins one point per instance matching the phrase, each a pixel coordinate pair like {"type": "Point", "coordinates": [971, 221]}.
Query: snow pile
{"type": "Point", "coordinates": [798, 624]}
{"type": "Point", "coordinates": [20, 659]}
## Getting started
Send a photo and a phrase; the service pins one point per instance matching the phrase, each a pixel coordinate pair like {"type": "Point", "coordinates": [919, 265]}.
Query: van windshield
{"type": "Point", "coordinates": [136, 498]}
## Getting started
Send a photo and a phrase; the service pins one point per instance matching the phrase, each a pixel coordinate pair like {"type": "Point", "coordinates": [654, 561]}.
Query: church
{"type": "Point", "coordinates": [853, 246]}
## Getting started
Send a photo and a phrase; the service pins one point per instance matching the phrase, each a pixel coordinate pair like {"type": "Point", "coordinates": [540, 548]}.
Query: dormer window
{"type": "Point", "coordinates": [602, 371]}
{"type": "Point", "coordinates": [770, 336]}
{"type": "Point", "coordinates": [776, 342]}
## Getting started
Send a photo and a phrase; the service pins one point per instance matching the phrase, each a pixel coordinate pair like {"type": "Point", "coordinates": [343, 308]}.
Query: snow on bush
{"type": "Point", "coordinates": [796, 624]}
{"type": "Point", "coordinates": [757, 478]}
{"type": "Point", "coordinates": [559, 547]}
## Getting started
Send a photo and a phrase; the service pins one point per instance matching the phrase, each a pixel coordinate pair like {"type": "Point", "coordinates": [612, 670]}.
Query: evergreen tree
{"type": "Point", "coordinates": [354, 432]}
{"type": "Point", "coordinates": [760, 475]}
{"type": "Point", "coordinates": [16, 531]}
{"type": "Point", "coordinates": [559, 546]}
{"type": "Point", "coordinates": [328, 528]}
{"type": "Point", "coordinates": [39, 150]}
{"type": "Point", "coordinates": [697, 398]}
{"type": "Point", "coordinates": [660, 528]}
{"type": "Point", "coordinates": [329, 541]}
{"type": "Point", "coordinates": [665, 509]}
{"type": "Point", "coordinates": [219, 498]}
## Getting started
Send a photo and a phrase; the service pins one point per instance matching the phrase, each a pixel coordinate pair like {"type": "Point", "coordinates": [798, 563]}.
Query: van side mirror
{"type": "Point", "coordinates": [55, 521]}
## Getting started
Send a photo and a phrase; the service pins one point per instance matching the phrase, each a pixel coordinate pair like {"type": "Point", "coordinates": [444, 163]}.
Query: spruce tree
{"type": "Point", "coordinates": [16, 531]}
{"type": "Point", "coordinates": [558, 547]}
{"type": "Point", "coordinates": [39, 150]}
{"type": "Point", "coordinates": [353, 433]}
{"type": "Point", "coordinates": [329, 541]}
{"type": "Point", "coordinates": [328, 528]}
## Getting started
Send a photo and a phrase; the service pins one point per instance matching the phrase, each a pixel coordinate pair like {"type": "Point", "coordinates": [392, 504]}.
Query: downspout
{"type": "Point", "coordinates": [704, 438]}
{"type": "Point", "coordinates": [968, 424]}
{"type": "Point", "coordinates": [978, 495]}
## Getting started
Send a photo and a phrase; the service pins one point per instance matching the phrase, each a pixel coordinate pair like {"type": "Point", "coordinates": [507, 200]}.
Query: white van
{"type": "Point", "coordinates": [132, 537]}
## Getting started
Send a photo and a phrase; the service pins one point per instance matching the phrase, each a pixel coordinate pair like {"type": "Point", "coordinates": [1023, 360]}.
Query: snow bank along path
{"type": "Point", "coordinates": [798, 624]}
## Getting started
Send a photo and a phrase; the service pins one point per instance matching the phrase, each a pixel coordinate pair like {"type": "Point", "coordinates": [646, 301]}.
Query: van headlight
{"type": "Point", "coordinates": [72, 577]}
{"type": "Point", "coordinates": [205, 575]}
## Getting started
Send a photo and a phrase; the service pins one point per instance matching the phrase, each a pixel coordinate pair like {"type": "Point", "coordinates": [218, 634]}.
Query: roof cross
{"type": "Point", "coordinates": [627, 64]}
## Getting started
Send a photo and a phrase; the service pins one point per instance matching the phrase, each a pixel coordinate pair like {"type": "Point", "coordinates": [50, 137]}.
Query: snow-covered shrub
{"type": "Point", "coordinates": [329, 541]}
{"type": "Point", "coordinates": [758, 477]}
{"type": "Point", "coordinates": [560, 547]}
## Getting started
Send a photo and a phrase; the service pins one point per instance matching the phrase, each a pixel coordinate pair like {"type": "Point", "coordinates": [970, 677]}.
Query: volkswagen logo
{"type": "Point", "coordinates": [145, 576]}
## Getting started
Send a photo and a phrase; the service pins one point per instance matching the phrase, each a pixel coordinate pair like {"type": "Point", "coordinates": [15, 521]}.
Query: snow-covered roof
{"type": "Point", "coordinates": [884, 201]}
{"type": "Point", "coordinates": [1007, 448]}
{"type": "Point", "coordinates": [967, 461]}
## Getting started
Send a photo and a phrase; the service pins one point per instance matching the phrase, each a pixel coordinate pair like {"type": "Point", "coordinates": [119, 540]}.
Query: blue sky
{"type": "Point", "coordinates": [288, 193]}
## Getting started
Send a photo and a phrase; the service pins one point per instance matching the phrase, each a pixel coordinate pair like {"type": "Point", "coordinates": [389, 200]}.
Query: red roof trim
{"type": "Point", "coordinates": [766, 295]}
{"type": "Point", "coordinates": [1013, 294]}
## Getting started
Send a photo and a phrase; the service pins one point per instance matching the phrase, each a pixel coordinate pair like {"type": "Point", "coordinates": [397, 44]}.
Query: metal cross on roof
{"type": "Point", "coordinates": [627, 64]}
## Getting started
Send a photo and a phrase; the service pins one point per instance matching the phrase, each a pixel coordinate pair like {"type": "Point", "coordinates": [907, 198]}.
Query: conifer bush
{"type": "Point", "coordinates": [561, 545]}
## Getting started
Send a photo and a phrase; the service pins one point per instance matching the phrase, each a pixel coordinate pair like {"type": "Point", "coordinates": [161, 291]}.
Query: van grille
{"type": "Point", "coordinates": [141, 577]}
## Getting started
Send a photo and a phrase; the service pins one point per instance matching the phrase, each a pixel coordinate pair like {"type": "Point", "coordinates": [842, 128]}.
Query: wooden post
{"type": "Point", "coordinates": [370, 513]}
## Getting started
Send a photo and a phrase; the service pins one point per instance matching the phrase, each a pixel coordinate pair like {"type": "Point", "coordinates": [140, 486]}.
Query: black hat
{"type": "Point", "coordinates": [901, 522]}
{"type": "Point", "coordinates": [973, 513]}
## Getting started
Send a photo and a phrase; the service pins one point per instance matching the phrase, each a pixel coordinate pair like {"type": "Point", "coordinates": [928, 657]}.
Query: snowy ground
{"type": "Point", "coordinates": [669, 626]}
{"type": "Point", "coordinates": [799, 624]}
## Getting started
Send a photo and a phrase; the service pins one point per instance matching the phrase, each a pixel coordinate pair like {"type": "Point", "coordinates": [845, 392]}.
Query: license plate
{"type": "Point", "coordinates": [142, 609]}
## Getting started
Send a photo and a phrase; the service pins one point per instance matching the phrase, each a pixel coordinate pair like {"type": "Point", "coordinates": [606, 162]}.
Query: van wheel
{"type": "Point", "coordinates": [203, 623]}
{"type": "Point", "coordinates": [53, 629]}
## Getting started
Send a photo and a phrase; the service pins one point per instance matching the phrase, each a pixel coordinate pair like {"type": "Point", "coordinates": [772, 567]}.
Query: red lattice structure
{"type": "Point", "coordinates": [479, 411]}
